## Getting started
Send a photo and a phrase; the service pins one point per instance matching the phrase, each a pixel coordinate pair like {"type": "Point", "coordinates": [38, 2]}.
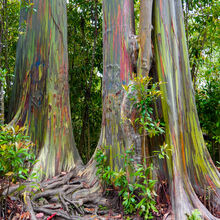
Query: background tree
{"type": "Point", "coordinates": [85, 71]}
{"type": "Point", "coordinates": [8, 39]}
{"type": "Point", "coordinates": [202, 25]}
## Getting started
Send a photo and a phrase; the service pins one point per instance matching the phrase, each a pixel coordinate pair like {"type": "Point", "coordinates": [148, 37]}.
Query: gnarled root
{"type": "Point", "coordinates": [68, 197]}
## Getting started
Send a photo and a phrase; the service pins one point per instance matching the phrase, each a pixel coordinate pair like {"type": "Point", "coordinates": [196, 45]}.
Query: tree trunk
{"type": "Point", "coordinates": [2, 108]}
{"type": "Point", "coordinates": [2, 114]}
{"type": "Point", "coordinates": [41, 92]}
{"type": "Point", "coordinates": [119, 43]}
{"type": "Point", "coordinates": [191, 170]}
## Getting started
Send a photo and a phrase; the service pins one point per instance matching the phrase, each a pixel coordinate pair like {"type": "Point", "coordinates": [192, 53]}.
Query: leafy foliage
{"type": "Point", "coordinates": [202, 28]}
{"type": "Point", "coordinates": [17, 158]}
{"type": "Point", "coordinates": [137, 195]}
{"type": "Point", "coordinates": [15, 153]}
{"type": "Point", "coordinates": [85, 72]}
{"type": "Point", "coordinates": [208, 105]}
{"type": "Point", "coordinates": [9, 30]}
{"type": "Point", "coordinates": [143, 93]}
{"type": "Point", "coordinates": [196, 215]}
{"type": "Point", "coordinates": [202, 24]}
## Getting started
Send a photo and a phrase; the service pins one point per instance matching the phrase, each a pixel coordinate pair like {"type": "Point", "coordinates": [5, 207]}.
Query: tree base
{"type": "Point", "coordinates": [79, 195]}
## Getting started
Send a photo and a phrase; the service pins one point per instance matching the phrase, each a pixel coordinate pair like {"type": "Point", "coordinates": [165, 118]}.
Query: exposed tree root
{"type": "Point", "coordinates": [71, 196]}
{"type": "Point", "coordinates": [68, 197]}
{"type": "Point", "coordinates": [30, 207]}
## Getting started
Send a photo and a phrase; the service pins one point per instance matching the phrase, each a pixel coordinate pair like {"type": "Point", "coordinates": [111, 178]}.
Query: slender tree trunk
{"type": "Point", "coordinates": [2, 7]}
{"type": "Point", "coordinates": [191, 170]}
{"type": "Point", "coordinates": [89, 144]}
{"type": "Point", "coordinates": [41, 90]}
{"type": "Point", "coordinates": [1, 104]}
{"type": "Point", "coordinates": [6, 45]}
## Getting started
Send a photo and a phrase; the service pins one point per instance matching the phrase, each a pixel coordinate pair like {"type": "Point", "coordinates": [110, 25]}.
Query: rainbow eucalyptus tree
{"type": "Point", "coordinates": [118, 34]}
{"type": "Point", "coordinates": [41, 90]}
{"type": "Point", "coordinates": [190, 171]}
{"type": "Point", "coordinates": [118, 53]}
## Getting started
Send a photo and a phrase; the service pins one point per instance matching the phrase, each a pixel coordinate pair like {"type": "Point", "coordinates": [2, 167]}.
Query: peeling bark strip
{"type": "Point", "coordinates": [145, 53]}
{"type": "Point", "coordinates": [118, 25]}
{"type": "Point", "coordinates": [191, 169]}
{"type": "Point", "coordinates": [41, 90]}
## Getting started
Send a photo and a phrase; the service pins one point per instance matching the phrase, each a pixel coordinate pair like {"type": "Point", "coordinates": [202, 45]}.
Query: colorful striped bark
{"type": "Point", "coordinates": [43, 96]}
{"type": "Point", "coordinates": [118, 29]}
{"type": "Point", "coordinates": [191, 170]}
{"type": "Point", "coordinates": [41, 92]}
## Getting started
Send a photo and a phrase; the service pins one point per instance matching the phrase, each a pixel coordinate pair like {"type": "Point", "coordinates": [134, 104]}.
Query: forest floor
{"type": "Point", "coordinates": [14, 206]}
{"type": "Point", "coordinates": [49, 202]}
{"type": "Point", "coordinates": [17, 211]}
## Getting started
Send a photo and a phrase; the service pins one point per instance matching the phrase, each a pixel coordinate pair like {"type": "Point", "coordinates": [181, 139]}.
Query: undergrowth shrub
{"type": "Point", "coordinates": [196, 215]}
{"type": "Point", "coordinates": [16, 161]}
{"type": "Point", "coordinates": [133, 182]}
{"type": "Point", "coordinates": [142, 94]}
{"type": "Point", "coordinates": [16, 153]}
{"type": "Point", "coordinates": [136, 195]}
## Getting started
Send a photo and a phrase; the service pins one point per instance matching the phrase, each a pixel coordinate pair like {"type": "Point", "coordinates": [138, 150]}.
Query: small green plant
{"type": "Point", "coordinates": [163, 152]}
{"type": "Point", "coordinates": [196, 215]}
{"type": "Point", "coordinates": [16, 160]}
{"type": "Point", "coordinates": [138, 195]}
{"type": "Point", "coordinates": [15, 153]}
{"type": "Point", "coordinates": [143, 94]}
{"type": "Point", "coordinates": [3, 73]}
{"type": "Point", "coordinates": [103, 171]}
{"type": "Point", "coordinates": [101, 207]}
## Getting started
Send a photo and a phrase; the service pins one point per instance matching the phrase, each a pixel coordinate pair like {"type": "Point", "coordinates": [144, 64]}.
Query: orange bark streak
{"type": "Point", "coordinates": [66, 112]}
{"type": "Point", "coordinates": [183, 153]}
{"type": "Point", "coordinates": [211, 184]}
{"type": "Point", "coordinates": [160, 6]}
